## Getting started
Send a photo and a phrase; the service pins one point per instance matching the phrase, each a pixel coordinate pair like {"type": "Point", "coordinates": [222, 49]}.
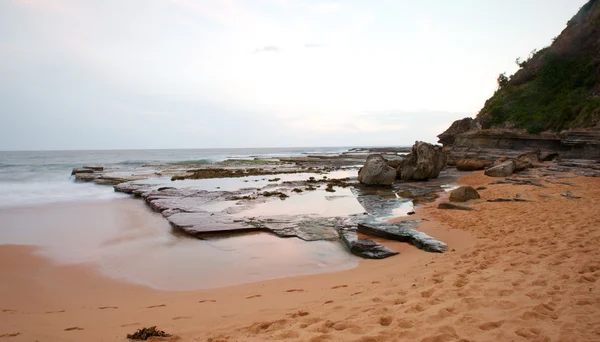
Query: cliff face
{"type": "Point", "coordinates": [558, 87]}
{"type": "Point", "coordinates": [551, 103]}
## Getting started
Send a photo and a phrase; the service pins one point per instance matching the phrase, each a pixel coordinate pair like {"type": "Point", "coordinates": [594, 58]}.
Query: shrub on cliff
{"type": "Point", "coordinates": [556, 87]}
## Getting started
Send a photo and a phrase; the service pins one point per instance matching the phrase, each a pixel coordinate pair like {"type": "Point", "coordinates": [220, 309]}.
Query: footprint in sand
{"type": "Point", "coordinates": [339, 287]}
{"type": "Point", "coordinates": [73, 329]}
{"type": "Point", "coordinates": [253, 296]}
{"type": "Point", "coordinates": [299, 313]}
{"type": "Point", "coordinates": [11, 334]}
{"type": "Point", "coordinates": [181, 317]}
{"type": "Point", "coordinates": [295, 290]}
{"type": "Point", "coordinates": [491, 325]}
{"type": "Point", "coordinates": [107, 307]}
{"type": "Point", "coordinates": [356, 293]}
{"type": "Point", "coordinates": [129, 324]}
{"type": "Point", "coordinates": [328, 302]}
{"type": "Point", "coordinates": [53, 312]}
{"type": "Point", "coordinates": [207, 301]}
{"type": "Point", "coordinates": [156, 306]}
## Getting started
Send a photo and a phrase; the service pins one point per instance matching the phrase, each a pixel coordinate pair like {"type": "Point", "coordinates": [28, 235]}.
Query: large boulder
{"type": "Point", "coordinates": [424, 162]}
{"type": "Point", "coordinates": [503, 169]}
{"type": "Point", "coordinates": [527, 160]}
{"type": "Point", "coordinates": [472, 164]}
{"type": "Point", "coordinates": [376, 171]}
{"type": "Point", "coordinates": [463, 194]}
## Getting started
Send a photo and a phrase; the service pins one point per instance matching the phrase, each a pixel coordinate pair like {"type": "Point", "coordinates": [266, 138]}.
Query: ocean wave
{"type": "Point", "coordinates": [196, 161]}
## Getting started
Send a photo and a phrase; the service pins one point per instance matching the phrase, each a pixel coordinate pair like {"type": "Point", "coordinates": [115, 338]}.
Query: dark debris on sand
{"type": "Point", "coordinates": [145, 333]}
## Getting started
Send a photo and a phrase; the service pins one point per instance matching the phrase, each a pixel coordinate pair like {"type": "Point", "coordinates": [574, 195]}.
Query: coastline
{"type": "Point", "coordinates": [519, 271]}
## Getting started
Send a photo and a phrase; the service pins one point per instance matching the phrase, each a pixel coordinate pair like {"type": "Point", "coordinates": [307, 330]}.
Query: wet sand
{"type": "Point", "coordinates": [124, 239]}
{"type": "Point", "coordinates": [516, 272]}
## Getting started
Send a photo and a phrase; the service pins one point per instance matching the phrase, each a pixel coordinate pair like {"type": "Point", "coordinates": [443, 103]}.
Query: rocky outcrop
{"type": "Point", "coordinates": [503, 169]}
{"type": "Point", "coordinates": [463, 194]}
{"type": "Point", "coordinates": [551, 103]}
{"type": "Point", "coordinates": [399, 231]}
{"type": "Point", "coordinates": [376, 171]}
{"type": "Point", "coordinates": [472, 164]}
{"type": "Point", "coordinates": [459, 126]}
{"type": "Point", "coordinates": [425, 161]}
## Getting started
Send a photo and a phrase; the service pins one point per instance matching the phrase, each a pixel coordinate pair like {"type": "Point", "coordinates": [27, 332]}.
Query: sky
{"type": "Point", "coordinates": [137, 74]}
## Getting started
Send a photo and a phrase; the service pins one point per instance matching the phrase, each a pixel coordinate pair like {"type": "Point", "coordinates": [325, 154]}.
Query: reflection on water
{"type": "Point", "coordinates": [126, 240]}
{"type": "Point", "coordinates": [340, 203]}
{"type": "Point", "coordinates": [234, 184]}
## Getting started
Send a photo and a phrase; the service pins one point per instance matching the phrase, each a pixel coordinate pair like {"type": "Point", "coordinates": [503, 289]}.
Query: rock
{"type": "Point", "coordinates": [463, 194]}
{"type": "Point", "coordinates": [517, 181]}
{"type": "Point", "coordinates": [424, 162]}
{"type": "Point", "coordinates": [81, 170]}
{"type": "Point", "coordinates": [504, 169]}
{"type": "Point", "coordinates": [399, 232]}
{"type": "Point", "coordinates": [394, 162]}
{"type": "Point", "coordinates": [509, 200]}
{"type": "Point", "coordinates": [459, 126]}
{"type": "Point", "coordinates": [367, 249]}
{"type": "Point", "coordinates": [472, 164]}
{"type": "Point", "coordinates": [453, 206]}
{"type": "Point", "coordinates": [94, 167]}
{"type": "Point", "coordinates": [527, 160]}
{"type": "Point", "coordinates": [548, 156]}
{"type": "Point", "coordinates": [376, 171]}
{"type": "Point", "coordinates": [532, 157]}
{"type": "Point", "coordinates": [568, 194]}
{"type": "Point", "coordinates": [85, 177]}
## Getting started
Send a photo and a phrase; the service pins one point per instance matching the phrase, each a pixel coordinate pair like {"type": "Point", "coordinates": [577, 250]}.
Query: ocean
{"type": "Point", "coordinates": [122, 238]}
{"type": "Point", "coordinates": [43, 177]}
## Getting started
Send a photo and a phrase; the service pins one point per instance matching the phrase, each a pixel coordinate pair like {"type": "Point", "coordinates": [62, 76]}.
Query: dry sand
{"type": "Point", "coordinates": [517, 272]}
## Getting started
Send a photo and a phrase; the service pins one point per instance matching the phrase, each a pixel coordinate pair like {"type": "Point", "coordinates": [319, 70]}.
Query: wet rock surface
{"type": "Point", "coordinates": [210, 212]}
{"type": "Point", "coordinates": [400, 231]}
{"type": "Point", "coordinates": [367, 249]}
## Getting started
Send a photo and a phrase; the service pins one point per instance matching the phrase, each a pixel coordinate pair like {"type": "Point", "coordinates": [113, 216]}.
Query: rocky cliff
{"type": "Point", "coordinates": [551, 103]}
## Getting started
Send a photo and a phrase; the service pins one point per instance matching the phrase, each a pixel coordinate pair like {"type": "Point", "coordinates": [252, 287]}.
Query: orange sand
{"type": "Point", "coordinates": [518, 272]}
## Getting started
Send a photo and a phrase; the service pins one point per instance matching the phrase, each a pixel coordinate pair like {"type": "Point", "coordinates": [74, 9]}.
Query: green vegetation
{"type": "Point", "coordinates": [559, 95]}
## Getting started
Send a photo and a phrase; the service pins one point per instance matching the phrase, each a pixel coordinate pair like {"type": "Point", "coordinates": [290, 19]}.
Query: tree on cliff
{"type": "Point", "coordinates": [557, 87]}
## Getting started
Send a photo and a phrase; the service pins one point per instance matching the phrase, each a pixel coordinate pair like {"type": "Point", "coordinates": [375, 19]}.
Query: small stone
{"type": "Point", "coordinates": [453, 206]}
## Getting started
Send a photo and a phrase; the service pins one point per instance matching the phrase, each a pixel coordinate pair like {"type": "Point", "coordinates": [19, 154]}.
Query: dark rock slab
{"type": "Point", "coordinates": [400, 232]}
{"type": "Point", "coordinates": [509, 200]}
{"type": "Point", "coordinates": [367, 249]}
{"type": "Point", "coordinates": [307, 228]}
{"type": "Point", "coordinates": [205, 224]}
{"type": "Point", "coordinates": [453, 206]}
{"type": "Point", "coordinates": [517, 181]}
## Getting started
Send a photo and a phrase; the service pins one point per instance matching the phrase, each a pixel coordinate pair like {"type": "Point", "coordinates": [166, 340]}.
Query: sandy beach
{"type": "Point", "coordinates": [516, 272]}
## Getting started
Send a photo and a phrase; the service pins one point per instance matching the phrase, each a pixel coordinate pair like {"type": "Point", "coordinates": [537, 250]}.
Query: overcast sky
{"type": "Point", "coordinates": [111, 74]}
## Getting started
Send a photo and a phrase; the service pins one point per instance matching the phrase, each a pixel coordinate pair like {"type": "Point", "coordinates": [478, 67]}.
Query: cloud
{"type": "Point", "coordinates": [268, 48]}
{"type": "Point", "coordinates": [313, 45]}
